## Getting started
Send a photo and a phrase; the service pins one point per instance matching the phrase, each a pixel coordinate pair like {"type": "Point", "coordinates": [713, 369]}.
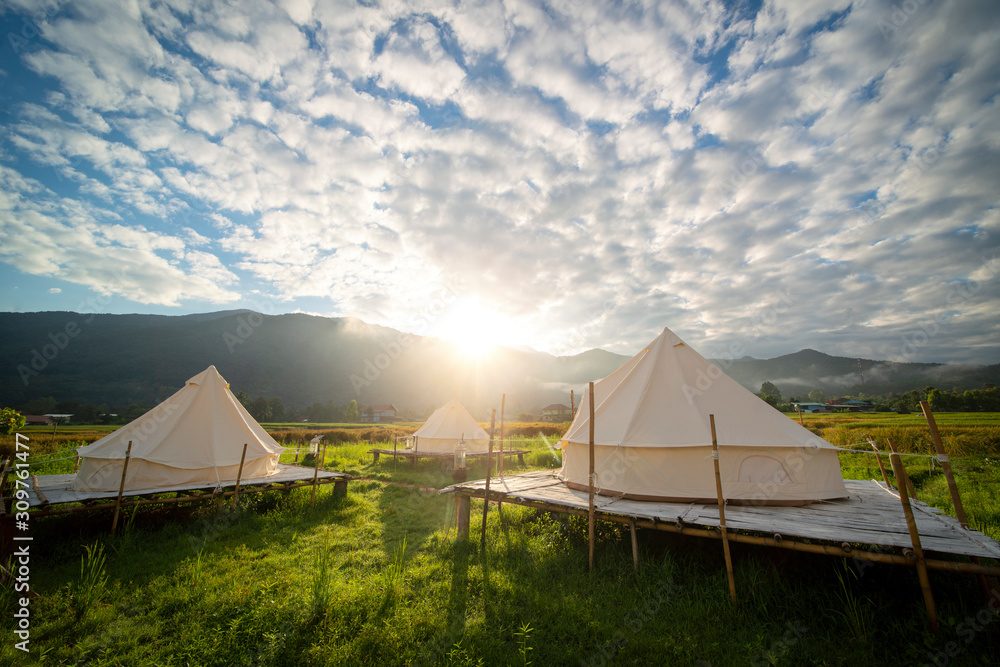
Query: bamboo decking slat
{"type": "Point", "coordinates": [56, 489]}
{"type": "Point", "coordinates": [870, 515]}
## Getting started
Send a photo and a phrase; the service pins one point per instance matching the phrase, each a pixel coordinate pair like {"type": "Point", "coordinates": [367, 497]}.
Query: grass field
{"type": "Point", "coordinates": [377, 578]}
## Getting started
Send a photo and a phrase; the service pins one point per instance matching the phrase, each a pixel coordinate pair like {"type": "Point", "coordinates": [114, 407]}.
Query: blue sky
{"type": "Point", "coordinates": [759, 177]}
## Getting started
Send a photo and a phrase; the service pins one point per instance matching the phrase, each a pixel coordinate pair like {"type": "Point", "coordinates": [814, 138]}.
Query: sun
{"type": "Point", "coordinates": [475, 329]}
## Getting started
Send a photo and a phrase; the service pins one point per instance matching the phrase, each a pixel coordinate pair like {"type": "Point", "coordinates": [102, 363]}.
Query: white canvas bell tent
{"type": "Point", "coordinates": [653, 440]}
{"type": "Point", "coordinates": [195, 436]}
{"type": "Point", "coordinates": [445, 428]}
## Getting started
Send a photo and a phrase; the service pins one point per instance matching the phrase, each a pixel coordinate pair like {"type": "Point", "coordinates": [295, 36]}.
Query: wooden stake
{"type": "Point", "coordinates": [881, 467]}
{"type": "Point", "coordinates": [590, 478]}
{"type": "Point", "coordinates": [722, 512]}
{"type": "Point", "coordinates": [316, 457]}
{"type": "Point", "coordinates": [395, 444]}
{"type": "Point", "coordinates": [121, 488]}
{"type": "Point", "coordinates": [38, 491]}
{"type": "Point", "coordinates": [801, 421]}
{"type": "Point", "coordinates": [572, 406]}
{"type": "Point", "coordinates": [956, 498]}
{"type": "Point", "coordinates": [239, 476]}
{"type": "Point", "coordinates": [909, 484]}
{"type": "Point", "coordinates": [298, 446]}
{"type": "Point", "coordinates": [503, 406]}
{"type": "Point", "coordinates": [911, 525]}
{"type": "Point", "coordinates": [489, 467]}
{"type": "Point", "coordinates": [8, 465]}
{"type": "Point", "coordinates": [76, 464]}
{"type": "Point", "coordinates": [635, 546]}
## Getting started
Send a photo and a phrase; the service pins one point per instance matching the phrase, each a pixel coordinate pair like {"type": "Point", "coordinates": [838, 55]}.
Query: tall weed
{"type": "Point", "coordinates": [92, 586]}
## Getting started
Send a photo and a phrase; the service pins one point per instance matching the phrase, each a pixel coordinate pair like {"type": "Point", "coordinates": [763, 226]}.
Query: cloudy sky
{"type": "Point", "coordinates": [759, 177]}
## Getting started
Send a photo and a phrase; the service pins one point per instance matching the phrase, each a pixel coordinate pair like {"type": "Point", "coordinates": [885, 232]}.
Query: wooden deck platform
{"type": "Point", "coordinates": [48, 491]}
{"type": "Point", "coordinates": [414, 455]}
{"type": "Point", "coordinates": [869, 524]}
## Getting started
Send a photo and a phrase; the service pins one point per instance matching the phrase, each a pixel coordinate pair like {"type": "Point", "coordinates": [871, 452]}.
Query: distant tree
{"type": "Point", "coordinates": [40, 406]}
{"type": "Point", "coordinates": [277, 408]}
{"type": "Point", "coordinates": [770, 393]}
{"type": "Point", "coordinates": [132, 412]}
{"type": "Point", "coordinates": [10, 421]}
{"type": "Point", "coordinates": [526, 417]}
{"type": "Point", "coordinates": [351, 412]}
{"type": "Point", "coordinates": [86, 413]}
{"type": "Point", "coordinates": [260, 410]}
{"type": "Point", "coordinates": [244, 399]}
{"type": "Point", "coordinates": [816, 396]}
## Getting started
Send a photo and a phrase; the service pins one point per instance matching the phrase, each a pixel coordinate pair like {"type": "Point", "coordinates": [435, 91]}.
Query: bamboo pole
{"type": "Point", "coordinates": [956, 498]}
{"type": "Point", "coordinates": [239, 476]}
{"type": "Point", "coordinates": [906, 480]}
{"type": "Point", "coordinates": [395, 444]}
{"type": "Point", "coordinates": [8, 465]}
{"type": "Point", "coordinates": [911, 525]}
{"type": "Point", "coordinates": [121, 488]}
{"type": "Point", "coordinates": [316, 457]}
{"type": "Point", "coordinates": [722, 512]}
{"type": "Point", "coordinates": [489, 468]}
{"type": "Point", "coordinates": [38, 491]}
{"type": "Point", "coordinates": [76, 464]}
{"type": "Point", "coordinates": [572, 405]}
{"type": "Point", "coordinates": [635, 546]}
{"type": "Point", "coordinates": [801, 420]}
{"type": "Point", "coordinates": [298, 446]}
{"type": "Point", "coordinates": [881, 467]}
{"type": "Point", "coordinates": [590, 480]}
{"type": "Point", "coordinates": [503, 407]}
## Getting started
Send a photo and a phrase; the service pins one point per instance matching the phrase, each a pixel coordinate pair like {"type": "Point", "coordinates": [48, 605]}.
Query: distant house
{"type": "Point", "coordinates": [380, 413]}
{"type": "Point", "coordinates": [557, 412]}
{"type": "Point", "coordinates": [812, 407]}
{"type": "Point", "coordinates": [850, 404]}
{"type": "Point", "coordinates": [38, 420]}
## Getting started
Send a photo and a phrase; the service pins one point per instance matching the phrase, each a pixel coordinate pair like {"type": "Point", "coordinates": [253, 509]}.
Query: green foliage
{"type": "Point", "coordinates": [321, 584]}
{"type": "Point", "coordinates": [283, 585]}
{"type": "Point", "coordinates": [770, 394]}
{"type": "Point", "coordinates": [523, 636]}
{"type": "Point", "coordinates": [351, 413]}
{"type": "Point", "coordinates": [10, 421]}
{"type": "Point", "coordinates": [93, 579]}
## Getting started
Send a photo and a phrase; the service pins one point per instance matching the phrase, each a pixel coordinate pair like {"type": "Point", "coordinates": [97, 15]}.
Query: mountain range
{"type": "Point", "coordinates": [303, 359]}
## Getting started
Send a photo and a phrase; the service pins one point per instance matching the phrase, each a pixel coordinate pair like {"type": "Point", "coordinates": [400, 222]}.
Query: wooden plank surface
{"type": "Point", "coordinates": [57, 488]}
{"type": "Point", "coordinates": [870, 515]}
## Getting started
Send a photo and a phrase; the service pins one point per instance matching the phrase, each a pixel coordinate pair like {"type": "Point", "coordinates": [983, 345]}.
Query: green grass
{"type": "Point", "coordinates": [377, 578]}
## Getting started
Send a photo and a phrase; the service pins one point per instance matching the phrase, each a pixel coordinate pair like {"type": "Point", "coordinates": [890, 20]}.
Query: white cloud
{"type": "Point", "coordinates": [591, 170]}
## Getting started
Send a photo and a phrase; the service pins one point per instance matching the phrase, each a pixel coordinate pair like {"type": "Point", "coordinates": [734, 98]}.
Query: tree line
{"type": "Point", "coordinates": [986, 399]}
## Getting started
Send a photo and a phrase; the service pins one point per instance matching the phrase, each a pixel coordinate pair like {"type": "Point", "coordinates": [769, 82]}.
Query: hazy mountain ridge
{"type": "Point", "coordinates": [304, 359]}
